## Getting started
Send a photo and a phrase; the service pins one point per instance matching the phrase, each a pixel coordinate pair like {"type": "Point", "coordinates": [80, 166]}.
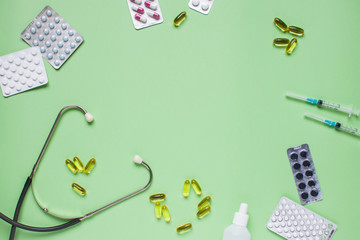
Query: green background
{"type": "Point", "coordinates": [205, 100]}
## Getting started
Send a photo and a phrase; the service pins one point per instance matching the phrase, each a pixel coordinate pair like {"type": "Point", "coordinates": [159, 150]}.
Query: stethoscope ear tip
{"type": "Point", "coordinates": [138, 159]}
{"type": "Point", "coordinates": [89, 118]}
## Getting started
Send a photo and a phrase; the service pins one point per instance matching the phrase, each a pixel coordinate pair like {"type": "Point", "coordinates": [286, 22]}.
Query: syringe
{"type": "Point", "coordinates": [322, 103]}
{"type": "Point", "coordinates": [336, 125]}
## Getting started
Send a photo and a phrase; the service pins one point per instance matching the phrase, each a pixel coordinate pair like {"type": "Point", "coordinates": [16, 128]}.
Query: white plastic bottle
{"type": "Point", "coordinates": [238, 230]}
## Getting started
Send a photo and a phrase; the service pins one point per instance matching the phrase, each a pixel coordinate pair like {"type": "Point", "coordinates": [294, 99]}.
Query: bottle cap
{"type": "Point", "coordinates": [241, 218]}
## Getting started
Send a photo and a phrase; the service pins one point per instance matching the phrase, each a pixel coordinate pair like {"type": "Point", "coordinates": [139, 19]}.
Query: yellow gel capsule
{"type": "Point", "coordinates": [79, 164]}
{"type": "Point", "coordinates": [186, 189]}
{"type": "Point", "coordinates": [90, 165]}
{"type": "Point", "coordinates": [71, 166]}
{"type": "Point", "coordinates": [79, 189]}
{"type": "Point", "coordinates": [281, 42]}
{"type": "Point", "coordinates": [290, 48]}
{"type": "Point", "coordinates": [166, 213]}
{"type": "Point", "coordinates": [205, 202]}
{"type": "Point", "coordinates": [196, 187]}
{"type": "Point", "coordinates": [202, 212]}
{"type": "Point", "coordinates": [157, 197]}
{"type": "Point", "coordinates": [184, 228]}
{"type": "Point", "coordinates": [179, 19]}
{"type": "Point", "coordinates": [280, 24]}
{"type": "Point", "coordinates": [296, 31]}
{"type": "Point", "coordinates": [158, 210]}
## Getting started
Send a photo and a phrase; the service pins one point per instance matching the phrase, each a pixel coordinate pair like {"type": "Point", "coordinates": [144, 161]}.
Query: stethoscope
{"type": "Point", "coordinates": [89, 118]}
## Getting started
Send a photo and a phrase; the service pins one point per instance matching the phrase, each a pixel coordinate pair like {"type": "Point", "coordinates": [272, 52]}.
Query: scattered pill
{"type": "Point", "coordinates": [281, 42]}
{"type": "Point", "coordinates": [186, 189]}
{"type": "Point", "coordinates": [78, 164]}
{"type": "Point", "coordinates": [184, 228]}
{"type": "Point", "coordinates": [290, 48]}
{"type": "Point", "coordinates": [90, 165]}
{"type": "Point", "coordinates": [205, 202]}
{"type": "Point", "coordinates": [166, 213]}
{"type": "Point", "coordinates": [179, 19]}
{"type": "Point", "coordinates": [203, 212]}
{"type": "Point", "coordinates": [157, 197]}
{"type": "Point", "coordinates": [196, 187]}
{"type": "Point", "coordinates": [158, 210]}
{"type": "Point", "coordinates": [79, 189]}
{"type": "Point", "coordinates": [296, 31]}
{"type": "Point", "coordinates": [280, 24]}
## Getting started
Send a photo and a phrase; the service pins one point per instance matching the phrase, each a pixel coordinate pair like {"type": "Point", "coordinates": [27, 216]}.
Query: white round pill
{"type": "Point", "coordinates": [57, 62]}
{"type": "Point", "coordinates": [41, 80]}
{"type": "Point", "coordinates": [33, 52]}
{"type": "Point", "coordinates": [53, 38]}
{"type": "Point", "coordinates": [34, 77]}
{"type": "Point", "coordinates": [50, 56]}
{"type": "Point", "coordinates": [32, 68]}
{"type": "Point", "coordinates": [29, 58]}
{"type": "Point", "coordinates": [48, 44]}
{"type": "Point", "coordinates": [36, 61]}
{"type": "Point", "coordinates": [33, 30]}
{"type": "Point", "coordinates": [17, 62]}
{"type": "Point", "coordinates": [67, 51]}
{"type": "Point", "coordinates": [46, 31]}
{"type": "Point", "coordinates": [18, 87]}
{"type": "Point", "coordinates": [205, 6]}
{"type": "Point", "coordinates": [13, 68]}
{"type": "Point", "coordinates": [27, 36]}
{"type": "Point", "coordinates": [2, 72]}
{"type": "Point", "coordinates": [51, 25]}
{"type": "Point", "coordinates": [43, 19]}
{"type": "Point", "coordinates": [48, 13]}
{"type": "Point", "coordinates": [20, 71]}
{"type": "Point", "coordinates": [60, 44]}
{"type": "Point", "coordinates": [55, 50]}
{"type": "Point", "coordinates": [27, 75]}
{"type": "Point", "coordinates": [11, 59]}
{"type": "Point", "coordinates": [62, 57]}
{"type": "Point", "coordinates": [38, 71]}
{"type": "Point", "coordinates": [38, 24]}
{"type": "Point", "coordinates": [6, 65]}
{"type": "Point", "coordinates": [63, 26]}
{"type": "Point", "coordinates": [77, 39]}
{"type": "Point", "coordinates": [16, 78]}
{"type": "Point", "coordinates": [25, 65]}
{"type": "Point", "coordinates": [30, 84]}
{"type": "Point", "coordinates": [8, 76]}
{"type": "Point", "coordinates": [72, 45]}
{"type": "Point", "coordinates": [195, 3]}
{"type": "Point", "coordinates": [12, 85]}
{"type": "Point", "coordinates": [7, 91]}
{"type": "Point", "coordinates": [56, 20]}
{"type": "Point", "coordinates": [42, 49]}
{"type": "Point", "coordinates": [58, 32]}
{"type": "Point", "coordinates": [70, 33]}
{"type": "Point", "coordinates": [36, 43]}
{"type": "Point", "coordinates": [41, 37]}
{"type": "Point", "coordinates": [4, 82]}
{"type": "Point", "coordinates": [23, 81]}
{"type": "Point", "coordinates": [65, 38]}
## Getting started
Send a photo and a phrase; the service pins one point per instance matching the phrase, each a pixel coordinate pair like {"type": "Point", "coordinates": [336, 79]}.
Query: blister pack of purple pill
{"type": "Point", "coordinates": [202, 6]}
{"type": "Point", "coordinates": [145, 13]}
{"type": "Point", "coordinates": [294, 222]}
{"type": "Point", "coordinates": [303, 169]}
{"type": "Point", "coordinates": [54, 36]}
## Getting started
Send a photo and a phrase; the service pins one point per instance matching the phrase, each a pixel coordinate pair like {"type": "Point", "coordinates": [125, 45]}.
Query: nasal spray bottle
{"type": "Point", "coordinates": [238, 230]}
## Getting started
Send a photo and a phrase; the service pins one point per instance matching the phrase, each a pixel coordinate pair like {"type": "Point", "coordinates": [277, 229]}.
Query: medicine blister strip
{"type": "Point", "coordinates": [292, 221]}
{"type": "Point", "coordinates": [55, 37]}
{"type": "Point", "coordinates": [21, 71]}
{"type": "Point", "coordinates": [303, 169]}
{"type": "Point", "coordinates": [145, 13]}
{"type": "Point", "coordinates": [202, 6]}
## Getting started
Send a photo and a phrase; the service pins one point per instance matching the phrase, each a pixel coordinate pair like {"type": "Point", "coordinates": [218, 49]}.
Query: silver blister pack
{"type": "Point", "coordinates": [305, 176]}
{"type": "Point", "coordinates": [54, 36]}
{"type": "Point", "coordinates": [294, 222]}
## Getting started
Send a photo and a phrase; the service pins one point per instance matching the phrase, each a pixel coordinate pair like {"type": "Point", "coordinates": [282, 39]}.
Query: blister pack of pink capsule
{"type": "Point", "coordinates": [202, 6]}
{"type": "Point", "coordinates": [145, 13]}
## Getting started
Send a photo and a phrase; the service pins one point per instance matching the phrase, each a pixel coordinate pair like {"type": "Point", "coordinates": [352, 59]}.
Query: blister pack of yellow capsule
{"type": "Point", "coordinates": [202, 6]}
{"type": "Point", "coordinates": [145, 13]}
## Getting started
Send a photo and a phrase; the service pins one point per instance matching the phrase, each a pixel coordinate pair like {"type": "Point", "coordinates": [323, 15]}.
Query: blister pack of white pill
{"type": "Point", "coordinates": [22, 71]}
{"type": "Point", "coordinates": [145, 13]}
{"type": "Point", "coordinates": [202, 6]}
{"type": "Point", "coordinates": [54, 36]}
{"type": "Point", "coordinates": [294, 222]}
